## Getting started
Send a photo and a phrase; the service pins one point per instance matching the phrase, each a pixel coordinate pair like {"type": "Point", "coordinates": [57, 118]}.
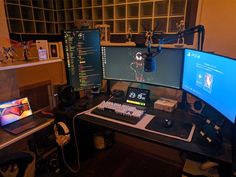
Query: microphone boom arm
{"type": "Point", "coordinates": [150, 63]}
{"type": "Point", "coordinates": [196, 29]}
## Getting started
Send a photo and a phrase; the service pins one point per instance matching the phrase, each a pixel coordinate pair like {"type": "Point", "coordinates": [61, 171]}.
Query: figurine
{"type": "Point", "coordinates": [129, 35]}
{"type": "Point", "coordinates": [26, 47]}
{"type": "Point", "coordinates": [149, 34]}
{"type": "Point", "coordinates": [180, 27]}
{"type": "Point", "coordinates": [8, 53]}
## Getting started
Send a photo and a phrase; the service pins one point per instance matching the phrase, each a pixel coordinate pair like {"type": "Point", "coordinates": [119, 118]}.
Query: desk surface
{"type": "Point", "coordinates": [7, 139]}
{"type": "Point", "coordinates": [221, 153]}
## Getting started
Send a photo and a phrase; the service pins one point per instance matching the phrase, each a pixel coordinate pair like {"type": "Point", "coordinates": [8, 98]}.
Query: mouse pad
{"type": "Point", "coordinates": [179, 129]}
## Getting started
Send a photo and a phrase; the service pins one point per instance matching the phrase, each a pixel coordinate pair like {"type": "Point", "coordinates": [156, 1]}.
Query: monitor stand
{"type": "Point", "coordinates": [77, 95]}
{"type": "Point", "coordinates": [108, 91]}
{"type": "Point", "coordinates": [184, 101]}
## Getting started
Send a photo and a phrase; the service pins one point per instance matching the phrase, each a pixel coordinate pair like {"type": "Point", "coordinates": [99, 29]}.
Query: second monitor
{"type": "Point", "coordinates": [127, 64]}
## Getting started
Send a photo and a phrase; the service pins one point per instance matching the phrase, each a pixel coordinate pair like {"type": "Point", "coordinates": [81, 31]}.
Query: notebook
{"type": "Point", "coordinates": [16, 116]}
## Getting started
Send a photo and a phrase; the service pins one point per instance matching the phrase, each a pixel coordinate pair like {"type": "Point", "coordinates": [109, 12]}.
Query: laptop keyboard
{"type": "Point", "coordinates": [25, 124]}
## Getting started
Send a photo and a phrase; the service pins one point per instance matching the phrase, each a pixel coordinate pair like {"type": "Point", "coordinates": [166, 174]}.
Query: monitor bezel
{"type": "Point", "coordinates": [148, 83]}
{"type": "Point", "coordinates": [66, 62]}
{"type": "Point", "coordinates": [206, 103]}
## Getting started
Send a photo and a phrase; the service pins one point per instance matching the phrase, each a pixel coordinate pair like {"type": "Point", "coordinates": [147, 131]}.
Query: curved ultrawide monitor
{"type": "Point", "coordinates": [212, 78]}
{"type": "Point", "coordinates": [127, 64]}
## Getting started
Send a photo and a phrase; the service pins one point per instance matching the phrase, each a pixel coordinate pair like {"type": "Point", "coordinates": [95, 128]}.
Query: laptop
{"type": "Point", "coordinates": [16, 116]}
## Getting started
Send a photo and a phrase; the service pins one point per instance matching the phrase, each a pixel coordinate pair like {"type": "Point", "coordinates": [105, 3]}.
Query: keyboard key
{"type": "Point", "coordinates": [121, 112]}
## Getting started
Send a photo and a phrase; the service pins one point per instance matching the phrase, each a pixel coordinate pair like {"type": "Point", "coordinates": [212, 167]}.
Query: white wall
{"type": "Point", "coordinates": [219, 19]}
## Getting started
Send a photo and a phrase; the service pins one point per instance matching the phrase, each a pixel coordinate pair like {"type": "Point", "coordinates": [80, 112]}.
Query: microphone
{"type": "Point", "coordinates": [150, 64]}
{"type": "Point", "coordinates": [150, 61]}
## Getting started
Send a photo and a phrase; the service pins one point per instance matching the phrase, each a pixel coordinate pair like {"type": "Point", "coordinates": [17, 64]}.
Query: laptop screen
{"type": "Point", "coordinates": [14, 110]}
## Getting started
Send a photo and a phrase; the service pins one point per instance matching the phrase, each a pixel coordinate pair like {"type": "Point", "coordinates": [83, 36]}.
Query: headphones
{"type": "Point", "coordinates": [62, 133]}
{"type": "Point", "coordinates": [62, 138]}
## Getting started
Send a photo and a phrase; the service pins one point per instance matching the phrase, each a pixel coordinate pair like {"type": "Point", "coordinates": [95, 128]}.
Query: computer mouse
{"type": "Point", "coordinates": [167, 123]}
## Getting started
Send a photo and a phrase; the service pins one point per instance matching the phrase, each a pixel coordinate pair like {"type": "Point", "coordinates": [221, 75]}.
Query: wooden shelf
{"type": "Point", "coordinates": [29, 13]}
{"type": "Point", "coordinates": [133, 10]}
{"type": "Point", "coordinates": [38, 14]}
{"type": "Point", "coordinates": [119, 14]}
{"type": "Point", "coordinates": [22, 64]}
{"type": "Point", "coordinates": [146, 9]}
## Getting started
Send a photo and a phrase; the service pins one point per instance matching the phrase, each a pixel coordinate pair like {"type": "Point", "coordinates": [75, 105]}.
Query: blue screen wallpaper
{"type": "Point", "coordinates": [211, 78]}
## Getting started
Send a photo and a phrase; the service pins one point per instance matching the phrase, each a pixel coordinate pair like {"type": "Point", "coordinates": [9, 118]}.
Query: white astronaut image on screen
{"type": "Point", "coordinates": [208, 82]}
{"type": "Point", "coordinates": [137, 66]}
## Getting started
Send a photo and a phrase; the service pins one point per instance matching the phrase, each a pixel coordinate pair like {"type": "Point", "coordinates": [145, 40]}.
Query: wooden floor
{"type": "Point", "coordinates": [122, 161]}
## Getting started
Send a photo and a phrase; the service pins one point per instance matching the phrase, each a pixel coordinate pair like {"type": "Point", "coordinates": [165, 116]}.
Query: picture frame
{"type": "Point", "coordinates": [42, 49]}
{"type": "Point", "coordinates": [61, 52]}
{"type": "Point", "coordinates": [54, 52]}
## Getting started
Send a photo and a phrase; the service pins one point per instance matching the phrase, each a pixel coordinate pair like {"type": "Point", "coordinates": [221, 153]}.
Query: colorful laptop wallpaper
{"type": "Point", "coordinates": [14, 110]}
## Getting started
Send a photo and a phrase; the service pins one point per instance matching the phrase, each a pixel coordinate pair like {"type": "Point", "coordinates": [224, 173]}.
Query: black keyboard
{"type": "Point", "coordinates": [111, 114]}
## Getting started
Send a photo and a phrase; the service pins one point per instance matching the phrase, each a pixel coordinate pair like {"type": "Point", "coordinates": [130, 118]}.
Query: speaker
{"type": "Point", "coordinates": [118, 93]}
{"type": "Point", "coordinates": [66, 96]}
{"type": "Point", "coordinates": [62, 133]}
{"type": "Point", "coordinates": [197, 106]}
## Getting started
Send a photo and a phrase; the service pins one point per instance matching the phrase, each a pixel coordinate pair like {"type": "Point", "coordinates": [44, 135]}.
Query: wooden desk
{"type": "Point", "coordinates": [6, 139]}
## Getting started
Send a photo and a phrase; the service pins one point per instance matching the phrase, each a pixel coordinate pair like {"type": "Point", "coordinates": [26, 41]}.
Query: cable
{"type": "Point", "coordinates": [67, 165]}
{"type": "Point", "coordinates": [76, 144]}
